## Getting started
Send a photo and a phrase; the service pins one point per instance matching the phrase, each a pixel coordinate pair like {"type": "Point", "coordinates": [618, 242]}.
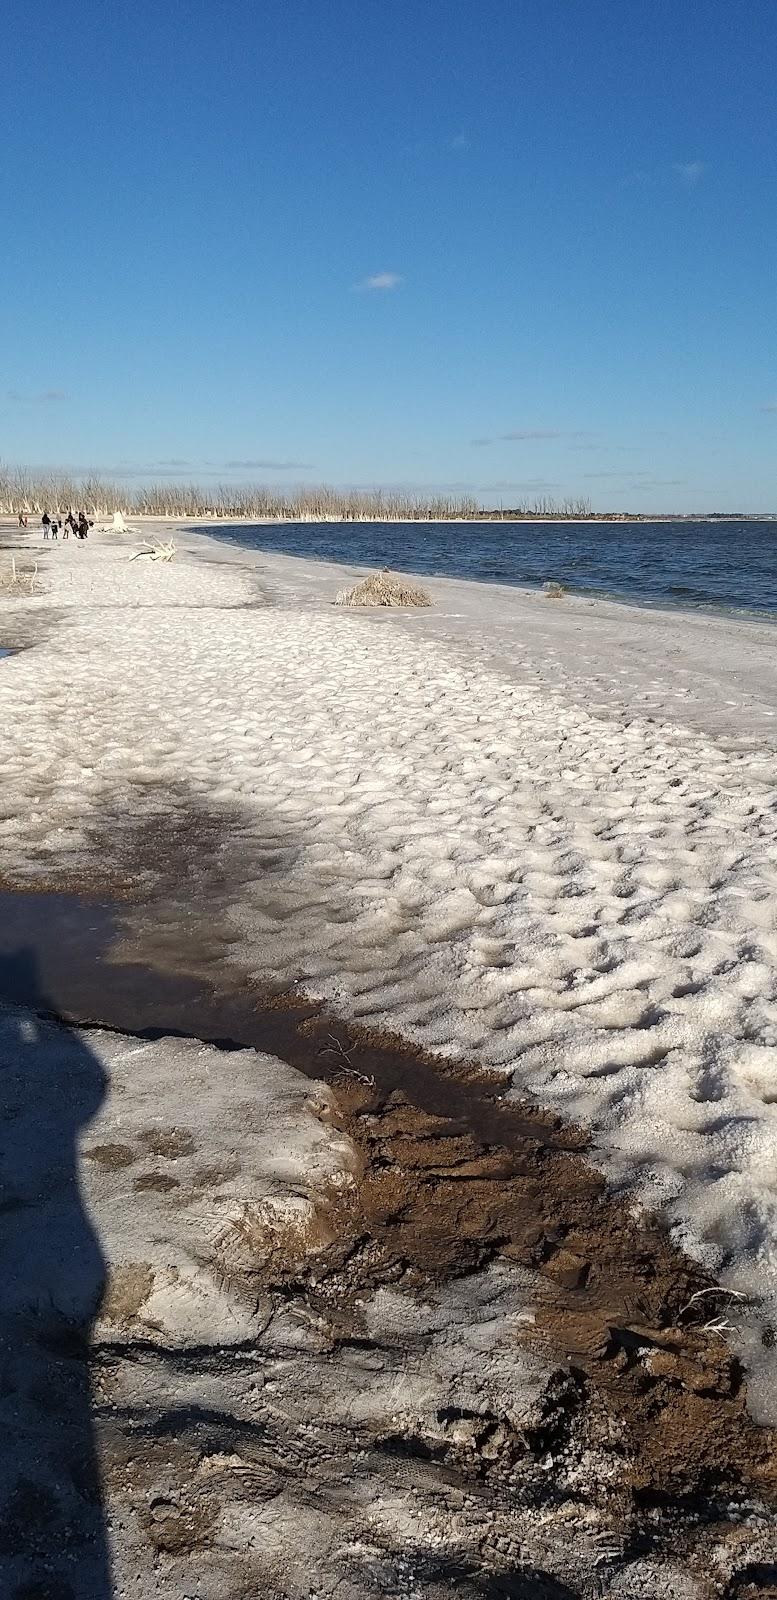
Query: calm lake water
{"type": "Point", "coordinates": [709, 564]}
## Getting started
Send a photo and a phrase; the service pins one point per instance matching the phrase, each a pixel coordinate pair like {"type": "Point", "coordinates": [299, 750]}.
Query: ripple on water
{"type": "Point", "coordinates": [727, 566]}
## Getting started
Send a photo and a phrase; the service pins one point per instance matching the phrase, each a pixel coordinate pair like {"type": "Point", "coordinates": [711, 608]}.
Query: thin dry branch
{"type": "Point", "coordinates": [154, 551]}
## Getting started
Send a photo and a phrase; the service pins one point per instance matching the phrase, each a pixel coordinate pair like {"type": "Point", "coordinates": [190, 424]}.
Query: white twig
{"type": "Point", "coordinates": [733, 1294]}
{"type": "Point", "coordinates": [155, 552]}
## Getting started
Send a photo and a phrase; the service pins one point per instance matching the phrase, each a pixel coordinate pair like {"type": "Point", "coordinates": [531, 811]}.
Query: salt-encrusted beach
{"type": "Point", "coordinates": [536, 836]}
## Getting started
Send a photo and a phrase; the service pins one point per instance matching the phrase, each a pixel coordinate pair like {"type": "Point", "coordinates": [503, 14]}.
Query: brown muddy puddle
{"type": "Point", "coordinates": [451, 1177]}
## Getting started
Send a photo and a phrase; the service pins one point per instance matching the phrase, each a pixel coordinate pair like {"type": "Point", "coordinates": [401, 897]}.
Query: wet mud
{"type": "Point", "coordinates": [624, 1313]}
{"type": "Point", "coordinates": [451, 1178]}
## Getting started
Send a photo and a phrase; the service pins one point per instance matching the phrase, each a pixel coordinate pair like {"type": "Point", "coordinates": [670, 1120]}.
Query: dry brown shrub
{"type": "Point", "coordinates": [383, 589]}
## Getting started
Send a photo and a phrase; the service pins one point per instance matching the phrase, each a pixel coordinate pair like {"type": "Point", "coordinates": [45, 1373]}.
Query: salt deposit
{"type": "Point", "coordinates": [581, 898]}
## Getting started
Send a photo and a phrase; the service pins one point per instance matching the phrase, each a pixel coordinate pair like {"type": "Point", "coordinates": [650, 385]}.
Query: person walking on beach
{"type": "Point", "coordinates": [83, 525]}
{"type": "Point", "coordinates": [54, 528]}
{"type": "Point", "coordinates": [22, 519]}
{"type": "Point", "coordinates": [45, 524]}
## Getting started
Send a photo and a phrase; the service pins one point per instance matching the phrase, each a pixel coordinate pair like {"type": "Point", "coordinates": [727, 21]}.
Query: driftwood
{"type": "Point", "coordinates": [155, 552]}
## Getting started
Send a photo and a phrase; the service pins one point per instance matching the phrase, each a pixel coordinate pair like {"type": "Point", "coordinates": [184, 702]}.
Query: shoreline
{"type": "Point", "coordinates": [704, 645]}
{"type": "Point", "coordinates": [538, 518]}
{"type": "Point", "coordinates": [529, 835]}
{"type": "Point", "coordinates": [589, 595]}
{"type": "Point", "coordinates": [617, 519]}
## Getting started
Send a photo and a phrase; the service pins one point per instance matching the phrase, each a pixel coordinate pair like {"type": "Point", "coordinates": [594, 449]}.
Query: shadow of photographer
{"type": "Point", "coordinates": [53, 1543]}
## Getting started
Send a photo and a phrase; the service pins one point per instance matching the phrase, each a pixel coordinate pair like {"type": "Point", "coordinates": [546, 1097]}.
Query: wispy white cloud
{"type": "Point", "coordinates": [461, 141]}
{"type": "Point", "coordinates": [689, 172]}
{"type": "Point", "coordinates": [526, 483]}
{"type": "Point", "coordinates": [381, 281]}
{"type": "Point", "coordinates": [634, 480]}
{"type": "Point", "coordinates": [522, 435]}
{"type": "Point", "coordinates": [265, 466]}
{"type": "Point", "coordinates": [544, 433]}
{"type": "Point", "coordinates": [771, 405]}
{"type": "Point", "coordinates": [136, 469]}
{"type": "Point", "coordinates": [110, 470]}
{"type": "Point", "coordinates": [658, 483]}
{"type": "Point", "coordinates": [43, 397]}
{"type": "Point", "coordinates": [176, 466]}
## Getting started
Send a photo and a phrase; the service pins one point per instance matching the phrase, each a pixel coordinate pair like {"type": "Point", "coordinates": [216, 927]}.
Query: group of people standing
{"type": "Point", "coordinates": [54, 525]}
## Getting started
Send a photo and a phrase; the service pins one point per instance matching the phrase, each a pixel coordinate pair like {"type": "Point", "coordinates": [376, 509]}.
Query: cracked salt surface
{"type": "Point", "coordinates": [584, 901]}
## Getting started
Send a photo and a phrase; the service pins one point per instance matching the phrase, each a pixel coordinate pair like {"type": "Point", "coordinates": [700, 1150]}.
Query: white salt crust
{"type": "Point", "coordinates": [581, 900]}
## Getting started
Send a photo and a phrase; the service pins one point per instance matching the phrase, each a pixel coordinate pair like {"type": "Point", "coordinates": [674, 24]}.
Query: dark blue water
{"type": "Point", "coordinates": [709, 564]}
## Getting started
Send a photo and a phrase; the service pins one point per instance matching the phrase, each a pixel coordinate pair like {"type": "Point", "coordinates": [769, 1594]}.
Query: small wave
{"type": "Point", "coordinates": [720, 567]}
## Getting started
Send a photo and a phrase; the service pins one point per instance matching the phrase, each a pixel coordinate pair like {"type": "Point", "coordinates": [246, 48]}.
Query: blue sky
{"type": "Point", "coordinates": [514, 247]}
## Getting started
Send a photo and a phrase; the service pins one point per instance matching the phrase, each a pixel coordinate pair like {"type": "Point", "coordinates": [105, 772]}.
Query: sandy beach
{"type": "Point", "coordinates": [534, 842]}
